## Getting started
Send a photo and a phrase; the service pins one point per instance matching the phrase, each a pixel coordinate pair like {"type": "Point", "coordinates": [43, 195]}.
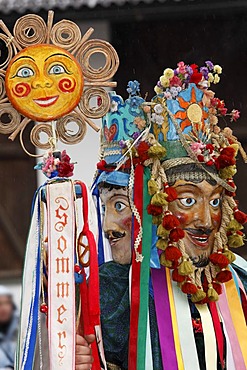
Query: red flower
{"type": "Point", "coordinates": [65, 169]}
{"type": "Point", "coordinates": [175, 81]}
{"type": "Point", "coordinates": [65, 157]}
{"type": "Point", "coordinates": [196, 77]}
{"type": "Point", "coordinates": [210, 148]}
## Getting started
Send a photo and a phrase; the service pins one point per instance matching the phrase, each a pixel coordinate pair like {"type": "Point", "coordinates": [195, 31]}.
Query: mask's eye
{"type": "Point", "coordinates": [57, 70]}
{"type": "Point", "coordinates": [119, 206]}
{"type": "Point", "coordinates": [215, 202]}
{"type": "Point", "coordinates": [187, 202]}
{"type": "Point", "coordinates": [25, 72]}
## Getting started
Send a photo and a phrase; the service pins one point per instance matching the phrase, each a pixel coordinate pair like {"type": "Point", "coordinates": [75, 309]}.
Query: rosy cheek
{"type": "Point", "coordinates": [67, 85]}
{"type": "Point", "coordinates": [127, 222]}
{"type": "Point", "coordinates": [21, 90]}
{"type": "Point", "coordinates": [183, 218]}
{"type": "Point", "coordinates": [216, 219]}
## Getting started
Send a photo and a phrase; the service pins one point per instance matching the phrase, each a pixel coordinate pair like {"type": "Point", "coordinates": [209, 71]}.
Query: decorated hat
{"type": "Point", "coordinates": [178, 129]}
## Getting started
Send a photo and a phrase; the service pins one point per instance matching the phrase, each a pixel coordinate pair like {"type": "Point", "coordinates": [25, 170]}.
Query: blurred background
{"type": "Point", "coordinates": [148, 36]}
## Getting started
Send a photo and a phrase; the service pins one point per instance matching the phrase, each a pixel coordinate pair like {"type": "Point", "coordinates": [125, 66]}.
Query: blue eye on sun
{"type": "Point", "coordinates": [57, 69]}
{"type": "Point", "coordinates": [25, 72]}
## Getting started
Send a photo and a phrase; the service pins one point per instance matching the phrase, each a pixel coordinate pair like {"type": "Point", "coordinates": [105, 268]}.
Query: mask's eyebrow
{"type": "Point", "coordinates": [60, 54]}
{"type": "Point", "coordinates": [23, 57]}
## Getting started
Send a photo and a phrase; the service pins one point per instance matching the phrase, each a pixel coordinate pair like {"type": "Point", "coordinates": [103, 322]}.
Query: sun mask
{"type": "Point", "coordinates": [44, 82]}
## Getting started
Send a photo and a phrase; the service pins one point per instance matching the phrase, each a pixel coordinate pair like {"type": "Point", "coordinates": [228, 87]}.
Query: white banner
{"type": "Point", "coordinates": [61, 284]}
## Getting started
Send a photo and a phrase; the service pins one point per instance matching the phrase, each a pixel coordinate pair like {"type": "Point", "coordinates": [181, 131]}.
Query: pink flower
{"type": "Point", "coordinates": [175, 81]}
{"type": "Point", "coordinates": [197, 147]}
{"type": "Point", "coordinates": [235, 114]}
{"type": "Point", "coordinates": [223, 111]}
{"type": "Point", "coordinates": [181, 68]}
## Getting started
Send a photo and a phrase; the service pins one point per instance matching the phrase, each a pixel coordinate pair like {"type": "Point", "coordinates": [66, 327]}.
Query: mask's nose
{"type": "Point", "coordinates": [203, 217]}
{"type": "Point", "coordinates": [42, 81]}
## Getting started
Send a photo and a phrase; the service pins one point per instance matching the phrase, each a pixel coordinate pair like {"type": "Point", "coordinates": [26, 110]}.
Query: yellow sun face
{"type": "Point", "coordinates": [192, 112]}
{"type": "Point", "coordinates": [44, 82]}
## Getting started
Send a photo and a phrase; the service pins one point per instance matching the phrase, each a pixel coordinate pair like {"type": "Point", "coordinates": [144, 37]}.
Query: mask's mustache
{"type": "Point", "coordinates": [114, 235]}
{"type": "Point", "coordinates": [199, 232]}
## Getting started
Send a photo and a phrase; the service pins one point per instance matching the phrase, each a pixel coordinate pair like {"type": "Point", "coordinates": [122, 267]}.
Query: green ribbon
{"type": "Point", "coordinates": [145, 275]}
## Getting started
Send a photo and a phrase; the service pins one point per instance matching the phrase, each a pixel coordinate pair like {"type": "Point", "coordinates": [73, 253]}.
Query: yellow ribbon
{"type": "Point", "coordinates": [174, 322]}
{"type": "Point", "coordinates": [237, 316]}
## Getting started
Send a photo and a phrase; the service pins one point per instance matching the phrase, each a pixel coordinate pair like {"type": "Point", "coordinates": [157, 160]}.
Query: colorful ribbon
{"type": "Point", "coordinates": [164, 319]}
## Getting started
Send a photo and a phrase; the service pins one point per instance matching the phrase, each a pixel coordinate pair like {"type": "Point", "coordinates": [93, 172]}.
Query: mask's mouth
{"type": "Point", "coordinates": [114, 237]}
{"type": "Point", "coordinates": [47, 101]}
{"type": "Point", "coordinates": [199, 237]}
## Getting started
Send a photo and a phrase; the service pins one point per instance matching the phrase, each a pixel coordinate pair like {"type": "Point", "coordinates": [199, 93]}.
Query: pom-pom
{"type": "Point", "coordinates": [152, 187]}
{"type": "Point", "coordinates": [154, 210]}
{"type": "Point", "coordinates": [176, 234]}
{"type": "Point", "coordinates": [189, 288]}
{"type": "Point", "coordinates": [228, 172]}
{"type": "Point", "coordinates": [224, 276]}
{"type": "Point", "coordinates": [164, 261]}
{"type": "Point", "coordinates": [162, 243]}
{"type": "Point", "coordinates": [231, 256]}
{"type": "Point", "coordinates": [172, 253]}
{"type": "Point", "coordinates": [177, 277]}
{"type": "Point", "coordinates": [217, 287]}
{"type": "Point", "coordinates": [225, 161]}
{"type": "Point", "coordinates": [234, 225]}
{"type": "Point", "coordinates": [198, 296]}
{"type": "Point", "coordinates": [235, 240]}
{"type": "Point", "coordinates": [219, 259]}
{"type": "Point", "coordinates": [170, 222]}
{"type": "Point", "coordinates": [142, 151]}
{"type": "Point", "coordinates": [185, 268]}
{"type": "Point", "coordinates": [171, 193]}
{"type": "Point", "coordinates": [240, 216]}
{"type": "Point", "coordinates": [159, 199]}
{"type": "Point", "coordinates": [156, 151]}
{"type": "Point", "coordinates": [162, 232]}
{"type": "Point", "coordinates": [212, 294]}
{"type": "Point", "coordinates": [230, 151]}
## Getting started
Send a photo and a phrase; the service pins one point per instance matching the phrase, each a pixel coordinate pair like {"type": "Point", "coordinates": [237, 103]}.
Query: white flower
{"type": "Point", "coordinates": [158, 108]}
{"type": "Point", "coordinates": [114, 106]}
{"type": "Point", "coordinates": [156, 118]}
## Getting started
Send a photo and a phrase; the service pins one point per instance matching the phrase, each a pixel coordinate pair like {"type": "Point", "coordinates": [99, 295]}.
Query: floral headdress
{"type": "Point", "coordinates": [180, 126]}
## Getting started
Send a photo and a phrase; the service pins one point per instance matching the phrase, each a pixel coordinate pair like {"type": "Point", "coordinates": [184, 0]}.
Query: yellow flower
{"type": "Point", "coordinates": [164, 81]}
{"type": "Point", "coordinates": [216, 79]}
{"type": "Point", "coordinates": [158, 90]}
{"type": "Point", "coordinates": [217, 69]}
{"type": "Point", "coordinates": [168, 73]}
{"type": "Point", "coordinates": [210, 77]}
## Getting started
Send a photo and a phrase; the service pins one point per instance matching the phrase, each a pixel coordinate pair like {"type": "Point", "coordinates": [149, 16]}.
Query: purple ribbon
{"type": "Point", "coordinates": [227, 318]}
{"type": "Point", "coordinates": [164, 320]}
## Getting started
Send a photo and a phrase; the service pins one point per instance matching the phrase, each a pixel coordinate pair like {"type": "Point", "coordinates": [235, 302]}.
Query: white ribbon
{"type": "Point", "coordinates": [186, 335]}
{"type": "Point", "coordinates": [61, 283]}
{"type": "Point", "coordinates": [209, 337]}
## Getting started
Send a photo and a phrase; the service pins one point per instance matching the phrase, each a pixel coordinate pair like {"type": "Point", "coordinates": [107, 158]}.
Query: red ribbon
{"type": "Point", "coordinates": [89, 292]}
{"type": "Point", "coordinates": [218, 332]}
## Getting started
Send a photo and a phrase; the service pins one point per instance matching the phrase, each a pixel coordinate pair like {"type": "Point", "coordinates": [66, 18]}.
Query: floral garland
{"type": "Point", "coordinates": [56, 164]}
